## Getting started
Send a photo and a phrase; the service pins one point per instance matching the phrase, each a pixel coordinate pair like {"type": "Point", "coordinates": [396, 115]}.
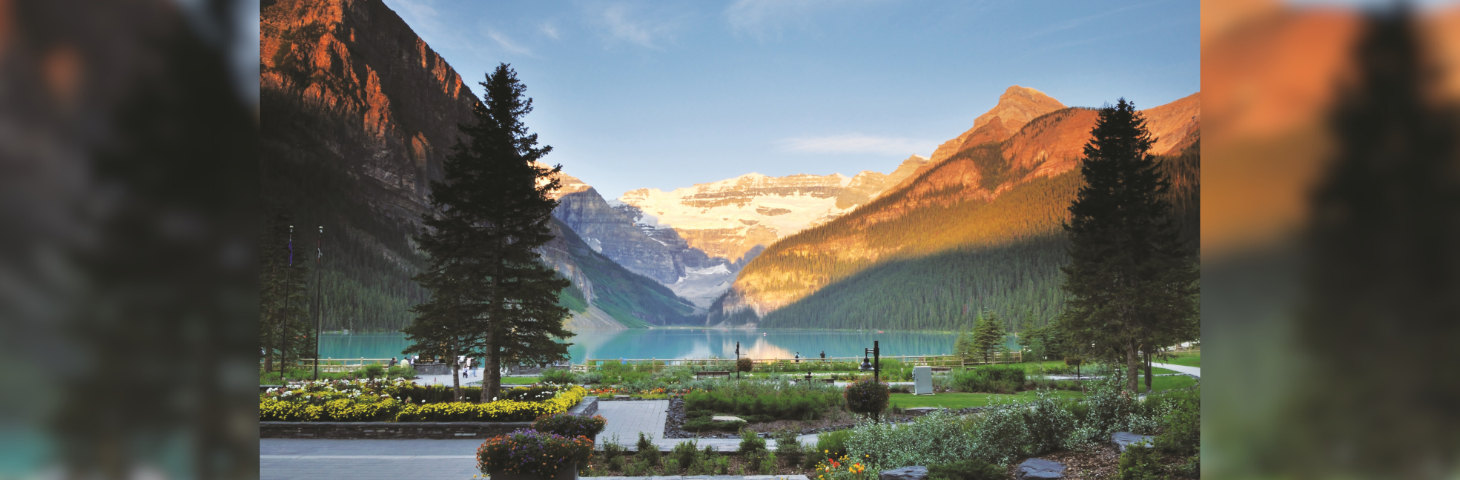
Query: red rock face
{"type": "Point", "coordinates": [381, 106]}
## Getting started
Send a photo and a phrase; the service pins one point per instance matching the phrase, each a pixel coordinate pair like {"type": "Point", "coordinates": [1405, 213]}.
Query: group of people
{"type": "Point", "coordinates": [823, 356]}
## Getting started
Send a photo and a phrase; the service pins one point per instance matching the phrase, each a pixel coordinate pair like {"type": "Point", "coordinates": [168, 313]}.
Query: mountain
{"type": "Point", "coordinates": [978, 229]}
{"type": "Point", "coordinates": [729, 218]}
{"type": "Point", "coordinates": [357, 117]}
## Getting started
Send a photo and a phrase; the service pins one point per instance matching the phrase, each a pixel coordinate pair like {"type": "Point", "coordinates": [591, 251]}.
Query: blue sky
{"type": "Point", "coordinates": [664, 95]}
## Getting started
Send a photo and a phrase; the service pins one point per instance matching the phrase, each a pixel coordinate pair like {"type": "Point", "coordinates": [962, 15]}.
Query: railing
{"type": "Point", "coordinates": [791, 364]}
{"type": "Point", "coordinates": [334, 365]}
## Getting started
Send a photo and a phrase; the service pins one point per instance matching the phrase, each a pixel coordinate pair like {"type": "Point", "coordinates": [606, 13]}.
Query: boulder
{"type": "Point", "coordinates": [1124, 439]}
{"type": "Point", "coordinates": [726, 418]}
{"type": "Point", "coordinates": [1038, 468]}
{"type": "Point", "coordinates": [905, 473]}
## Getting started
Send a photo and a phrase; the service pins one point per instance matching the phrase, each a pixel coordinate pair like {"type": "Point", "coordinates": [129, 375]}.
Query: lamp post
{"type": "Point", "coordinates": [876, 365]}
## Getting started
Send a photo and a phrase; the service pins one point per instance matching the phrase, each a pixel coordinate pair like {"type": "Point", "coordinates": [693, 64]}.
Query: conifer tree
{"type": "Point", "coordinates": [491, 296]}
{"type": "Point", "coordinates": [1131, 280]}
{"type": "Point", "coordinates": [988, 335]}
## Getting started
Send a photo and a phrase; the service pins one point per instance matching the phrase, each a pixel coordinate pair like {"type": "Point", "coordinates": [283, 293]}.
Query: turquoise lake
{"type": "Point", "coordinates": [684, 343]}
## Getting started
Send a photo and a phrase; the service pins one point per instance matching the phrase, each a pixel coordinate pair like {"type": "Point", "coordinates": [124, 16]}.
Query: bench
{"type": "Point", "coordinates": [712, 373]}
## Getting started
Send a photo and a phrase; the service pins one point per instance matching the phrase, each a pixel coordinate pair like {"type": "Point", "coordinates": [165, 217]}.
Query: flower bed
{"type": "Point", "coordinates": [380, 402]}
{"type": "Point", "coordinates": [530, 452]}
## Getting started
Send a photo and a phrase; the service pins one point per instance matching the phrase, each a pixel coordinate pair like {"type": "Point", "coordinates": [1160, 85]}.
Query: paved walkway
{"type": "Point", "coordinates": [1193, 371]}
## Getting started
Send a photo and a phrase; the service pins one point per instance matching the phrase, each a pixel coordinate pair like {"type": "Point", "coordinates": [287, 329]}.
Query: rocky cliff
{"type": "Point", "coordinates": [358, 116]}
{"type": "Point", "coordinates": [1002, 191]}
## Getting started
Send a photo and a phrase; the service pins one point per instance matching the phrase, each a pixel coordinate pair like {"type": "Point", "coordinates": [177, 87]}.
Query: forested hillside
{"type": "Point", "coordinates": [631, 299]}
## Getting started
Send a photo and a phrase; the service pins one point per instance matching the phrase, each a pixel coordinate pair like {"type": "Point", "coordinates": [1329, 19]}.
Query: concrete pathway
{"type": "Point", "coordinates": [1193, 371]}
{"type": "Point", "coordinates": [287, 459]}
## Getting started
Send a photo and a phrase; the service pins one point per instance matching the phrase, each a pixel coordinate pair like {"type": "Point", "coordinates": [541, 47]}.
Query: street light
{"type": "Point", "coordinates": [876, 364]}
{"type": "Point", "coordinates": [737, 360]}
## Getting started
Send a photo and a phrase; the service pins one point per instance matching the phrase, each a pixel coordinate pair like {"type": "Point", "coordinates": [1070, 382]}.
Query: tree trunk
{"type": "Point", "coordinates": [455, 376]}
{"type": "Point", "coordinates": [491, 377]}
{"type": "Point", "coordinates": [1148, 370]}
{"type": "Point", "coordinates": [1132, 363]}
{"type": "Point", "coordinates": [496, 355]}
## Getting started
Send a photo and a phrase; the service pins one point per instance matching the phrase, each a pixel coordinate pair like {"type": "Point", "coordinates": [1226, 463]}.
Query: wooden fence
{"type": "Point", "coordinates": [792, 364]}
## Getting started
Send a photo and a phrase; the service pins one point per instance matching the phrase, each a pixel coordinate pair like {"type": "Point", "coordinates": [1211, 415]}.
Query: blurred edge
{"type": "Point", "coordinates": [1330, 203]}
{"type": "Point", "coordinates": [129, 199]}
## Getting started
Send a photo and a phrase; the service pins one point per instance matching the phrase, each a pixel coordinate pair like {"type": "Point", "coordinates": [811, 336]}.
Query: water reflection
{"type": "Point", "coordinates": [683, 343]}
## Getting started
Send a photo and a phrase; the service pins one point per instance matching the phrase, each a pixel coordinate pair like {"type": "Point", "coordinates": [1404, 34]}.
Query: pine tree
{"type": "Point", "coordinates": [988, 335]}
{"type": "Point", "coordinates": [490, 293]}
{"type": "Point", "coordinates": [1132, 282]}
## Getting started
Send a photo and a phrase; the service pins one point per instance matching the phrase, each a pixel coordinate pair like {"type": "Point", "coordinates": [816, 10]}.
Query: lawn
{"type": "Point", "coordinates": [965, 400]}
{"type": "Point", "coordinates": [1168, 383]}
{"type": "Point", "coordinates": [1190, 360]}
{"type": "Point", "coordinates": [520, 380]}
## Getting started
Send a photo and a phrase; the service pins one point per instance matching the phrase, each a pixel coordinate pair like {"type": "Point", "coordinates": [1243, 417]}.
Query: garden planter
{"type": "Point", "coordinates": [570, 473]}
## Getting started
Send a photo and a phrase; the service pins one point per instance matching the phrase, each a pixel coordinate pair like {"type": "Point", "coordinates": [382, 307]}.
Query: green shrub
{"type": "Point", "coordinates": [1139, 462]}
{"type": "Point", "coordinates": [990, 379]}
{"type": "Point", "coordinates": [969, 469]}
{"type": "Point", "coordinates": [1181, 427]}
{"type": "Point", "coordinates": [1048, 424]}
{"type": "Point", "coordinates": [744, 365]}
{"type": "Point", "coordinates": [558, 376]}
{"type": "Point", "coordinates": [373, 370]}
{"type": "Point", "coordinates": [570, 425]}
{"type": "Point", "coordinates": [1002, 434]}
{"type": "Point", "coordinates": [636, 468]}
{"type": "Point", "coordinates": [868, 397]}
{"type": "Point", "coordinates": [751, 443]}
{"type": "Point", "coordinates": [648, 451]}
{"type": "Point", "coordinates": [789, 448]}
{"type": "Point", "coordinates": [792, 404]}
{"type": "Point", "coordinates": [401, 371]}
{"type": "Point", "coordinates": [616, 463]}
{"type": "Point", "coordinates": [612, 449]}
{"type": "Point", "coordinates": [685, 453]}
{"type": "Point", "coordinates": [833, 444]}
{"type": "Point", "coordinates": [938, 437]}
{"type": "Point", "coordinates": [527, 452]}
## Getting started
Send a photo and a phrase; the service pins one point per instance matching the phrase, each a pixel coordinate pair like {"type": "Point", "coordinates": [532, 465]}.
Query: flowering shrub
{"type": "Point", "coordinates": [530, 452]}
{"type": "Point", "coordinates": [570, 425]}
{"type": "Point", "coordinates": [843, 468]}
{"type": "Point", "coordinates": [867, 397]}
{"type": "Point", "coordinates": [353, 402]}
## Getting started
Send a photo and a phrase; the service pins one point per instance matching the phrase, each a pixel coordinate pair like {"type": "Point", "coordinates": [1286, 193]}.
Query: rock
{"type": "Point", "coordinates": [904, 473]}
{"type": "Point", "coordinates": [1038, 468]}
{"type": "Point", "coordinates": [920, 411]}
{"type": "Point", "coordinates": [726, 418]}
{"type": "Point", "coordinates": [1124, 439]}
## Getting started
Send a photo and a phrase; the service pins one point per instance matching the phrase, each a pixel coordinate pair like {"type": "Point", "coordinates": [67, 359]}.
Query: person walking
{"type": "Point", "coordinates": [823, 355]}
{"type": "Point", "coordinates": [798, 357]}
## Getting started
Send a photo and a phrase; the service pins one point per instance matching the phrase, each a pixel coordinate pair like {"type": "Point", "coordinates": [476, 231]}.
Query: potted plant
{"type": "Point", "coordinates": [533, 455]}
{"type": "Point", "coordinates": [571, 426]}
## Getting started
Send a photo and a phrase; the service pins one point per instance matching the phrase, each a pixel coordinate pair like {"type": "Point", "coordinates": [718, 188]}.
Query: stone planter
{"type": "Point", "coordinates": [570, 473]}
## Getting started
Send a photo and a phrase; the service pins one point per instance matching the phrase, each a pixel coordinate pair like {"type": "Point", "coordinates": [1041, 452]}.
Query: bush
{"type": "Point", "coordinates": [970, 469]}
{"type": "Point", "coordinates": [685, 453]}
{"type": "Point", "coordinates": [1048, 423]}
{"type": "Point", "coordinates": [789, 448]}
{"type": "Point", "coordinates": [373, 370]}
{"type": "Point", "coordinates": [613, 449]}
{"type": "Point", "coordinates": [529, 452]}
{"type": "Point", "coordinates": [401, 371]}
{"type": "Point", "coordinates": [570, 425]}
{"type": "Point", "coordinates": [789, 404]}
{"type": "Point", "coordinates": [1139, 462]}
{"type": "Point", "coordinates": [558, 376]}
{"type": "Point", "coordinates": [990, 379]}
{"type": "Point", "coordinates": [750, 443]}
{"type": "Point", "coordinates": [648, 451]}
{"type": "Point", "coordinates": [938, 437]}
{"type": "Point", "coordinates": [833, 444]}
{"type": "Point", "coordinates": [1002, 434]}
{"type": "Point", "coordinates": [868, 397]}
{"type": "Point", "coordinates": [744, 365]}
{"type": "Point", "coordinates": [1181, 427]}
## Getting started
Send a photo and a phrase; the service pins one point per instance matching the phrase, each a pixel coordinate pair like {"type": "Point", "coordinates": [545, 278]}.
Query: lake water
{"type": "Point", "coordinates": [681, 343]}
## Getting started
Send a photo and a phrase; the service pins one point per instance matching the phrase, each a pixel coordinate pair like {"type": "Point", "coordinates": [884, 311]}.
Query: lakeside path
{"type": "Point", "coordinates": [291, 458]}
{"type": "Point", "coordinates": [1193, 371]}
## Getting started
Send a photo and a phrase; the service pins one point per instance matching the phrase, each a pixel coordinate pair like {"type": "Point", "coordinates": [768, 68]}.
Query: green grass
{"type": "Point", "coordinates": [1190, 360]}
{"type": "Point", "coordinates": [965, 400]}
{"type": "Point", "coordinates": [1168, 383]}
{"type": "Point", "coordinates": [520, 380]}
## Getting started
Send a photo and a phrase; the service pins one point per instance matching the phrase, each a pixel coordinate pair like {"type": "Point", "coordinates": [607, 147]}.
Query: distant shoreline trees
{"type": "Point", "coordinates": [1132, 281]}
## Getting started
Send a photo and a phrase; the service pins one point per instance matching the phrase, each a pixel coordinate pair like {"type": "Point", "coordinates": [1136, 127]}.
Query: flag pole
{"type": "Point", "coordinates": [318, 298]}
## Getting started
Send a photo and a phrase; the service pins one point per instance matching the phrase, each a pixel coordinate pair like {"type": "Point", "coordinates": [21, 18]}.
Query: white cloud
{"type": "Point", "coordinates": [551, 31]}
{"type": "Point", "coordinates": [621, 24]}
{"type": "Point", "coordinates": [507, 43]}
{"type": "Point", "coordinates": [856, 143]}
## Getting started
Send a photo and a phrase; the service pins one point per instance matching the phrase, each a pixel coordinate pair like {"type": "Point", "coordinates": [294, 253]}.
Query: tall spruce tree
{"type": "Point", "coordinates": [1132, 282]}
{"type": "Point", "coordinates": [988, 335]}
{"type": "Point", "coordinates": [285, 329]}
{"type": "Point", "coordinates": [490, 293]}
